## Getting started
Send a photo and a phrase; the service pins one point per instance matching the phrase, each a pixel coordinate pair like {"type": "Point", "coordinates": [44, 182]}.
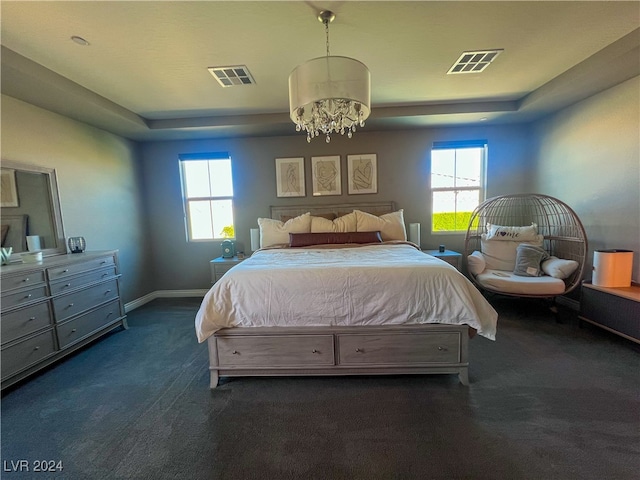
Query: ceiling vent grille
{"type": "Point", "coordinates": [473, 62]}
{"type": "Point", "coordinates": [232, 76]}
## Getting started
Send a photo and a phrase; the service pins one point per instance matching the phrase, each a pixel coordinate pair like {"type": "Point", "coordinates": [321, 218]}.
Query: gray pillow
{"type": "Point", "coordinates": [528, 260]}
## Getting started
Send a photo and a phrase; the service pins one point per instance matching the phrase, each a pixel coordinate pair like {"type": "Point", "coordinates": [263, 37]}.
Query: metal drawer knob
{"type": "Point", "coordinates": [26, 280]}
{"type": "Point", "coordinates": [108, 291]}
{"type": "Point", "coordinates": [73, 330]}
{"type": "Point", "coordinates": [65, 270]}
{"type": "Point", "coordinates": [442, 349]}
{"type": "Point", "coordinates": [314, 351]}
{"type": "Point", "coordinates": [32, 319]}
{"type": "Point", "coordinates": [36, 348]}
{"type": "Point", "coordinates": [235, 352]}
{"type": "Point", "coordinates": [67, 285]}
{"type": "Point", "coordinates": [358, 350]}
{"type": "Point", "coordinates": [27, 296]}
{"type": "Point", "coordinates": [70, 305]}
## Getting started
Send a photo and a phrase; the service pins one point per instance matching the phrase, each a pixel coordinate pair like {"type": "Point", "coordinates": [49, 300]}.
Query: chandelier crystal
{"type": "Point", "coordinates": [329, 94]}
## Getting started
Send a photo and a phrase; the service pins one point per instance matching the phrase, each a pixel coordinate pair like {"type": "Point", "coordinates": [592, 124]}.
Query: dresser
{"type": "Point", "coordinates": [52, 308]}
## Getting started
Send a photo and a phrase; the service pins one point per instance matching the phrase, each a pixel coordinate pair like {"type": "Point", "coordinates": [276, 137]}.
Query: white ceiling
{"type": "Point", "coordinates": [144, 74]}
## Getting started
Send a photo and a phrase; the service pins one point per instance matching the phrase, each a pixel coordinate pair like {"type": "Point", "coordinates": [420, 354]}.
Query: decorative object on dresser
{"type": "Point", "coordinates": [55, 307]}
{"type": "Point", "coordinates": [77, 244]}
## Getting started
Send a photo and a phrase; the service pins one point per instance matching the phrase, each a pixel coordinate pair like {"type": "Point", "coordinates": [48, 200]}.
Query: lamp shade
{"type": "Point", "coordinates": [326, 78]}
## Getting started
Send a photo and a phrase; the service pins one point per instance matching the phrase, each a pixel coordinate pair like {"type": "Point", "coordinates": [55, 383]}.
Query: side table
{"type": "Point", "coordinates": [219, 266]}
{"type": "Point", "coordinates": [449, 256]}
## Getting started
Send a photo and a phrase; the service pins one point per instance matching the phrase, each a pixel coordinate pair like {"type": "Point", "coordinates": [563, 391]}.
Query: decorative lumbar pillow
{"type": "Point", "coordinates": [307, 239]}
{"type": "Point", "coordinates": [275, 232]}
{"type": "Point", "coordinates": [390, 225]}
{"type": "Point", "coordinates": [559, 268]}
{"type": "Point", "coordinates": [518, 234]}
{"type": "Point", "coordinates": [476, 263]}
{"type": "Point", "coordinates": [501, 255]}
{"type": "Point", "coordinates": [529, 260]}
{"type": "Point", "coordinates": [346, 223]}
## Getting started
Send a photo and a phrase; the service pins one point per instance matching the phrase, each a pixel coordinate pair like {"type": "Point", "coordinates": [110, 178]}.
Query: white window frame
{"type": "Point", "coordinates": [191, 157]}
{"type": "Point", "coordinates": [482, 188]}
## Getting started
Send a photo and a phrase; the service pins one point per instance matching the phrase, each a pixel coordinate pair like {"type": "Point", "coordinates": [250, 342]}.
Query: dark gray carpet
{"type": "Point", "coordinates": [547, 401]}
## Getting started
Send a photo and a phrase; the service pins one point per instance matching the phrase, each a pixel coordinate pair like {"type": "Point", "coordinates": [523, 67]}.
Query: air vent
{"type": "Point", "coordinates": [474, 62]}
{"type": "Point", "coordinates": [232, 76]}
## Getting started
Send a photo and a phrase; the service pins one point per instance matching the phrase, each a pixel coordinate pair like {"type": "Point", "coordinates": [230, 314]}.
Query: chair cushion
{"type": "Point", "coordinates": [508, 282]}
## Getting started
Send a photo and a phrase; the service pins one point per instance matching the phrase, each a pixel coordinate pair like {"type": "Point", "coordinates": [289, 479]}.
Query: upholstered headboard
{"type": "Point", "coordinates": [375, 208]}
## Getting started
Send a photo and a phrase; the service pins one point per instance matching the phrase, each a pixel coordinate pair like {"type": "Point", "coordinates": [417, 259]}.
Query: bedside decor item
{"type": "Point", "coordinates": [33, 243]}
{"type": "Point", "coordinates": [31, 257]}
{"type": "Point", "coordinates": [77, 244]}
{"type": "Point", "coordinates": [5, 255]}
{"type": "Point", "coordinates": [329, 94]}
{"type": "Point", "coordinates": [228, 249]}
{"type": "Point", "coordinates": [255, 239]}
{"type": "Point", "coordinates": [290, 177]}
{"type": "Point", "coordinates": [362, 173]}
{"type": "Point", "coordinates": [325, 178]}
{"type": "Point", "coordinates": [612, 268]}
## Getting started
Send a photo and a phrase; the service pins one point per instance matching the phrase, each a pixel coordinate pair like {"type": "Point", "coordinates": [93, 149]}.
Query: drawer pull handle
{"type": "Point", "coordinates": [443, 349]}
{"type": "Point", "coordinates": [73, 330]}
{"type": "Point", "coordinates": [235, 352]}
{"type": "Point", "coordinates": [65, 270]}
{"type": "Point", "coordinates": [70, 305]}
{"type": "Point", "coordinates": [109, 314]}
{"type": "Point", "coordinates": [358, 350]}
{"type": "Point", "coordinates": [67, 285]}
{"type": "Point", "coordinates": [108, 291]}
{"type": "Point", "coordinates": [36, 348]}
{"type": "Point", "coordinates": [103, 262]}
{"type": "Point", "coordinates": [32, 319]}
{"type": "Point", "coordinates": [27, 296]}
{"type": "Point", "coordinates": [105, 275]}
{"type": "Point", "coordinates": [315, 351]}
{"type": "Point", "coordinates": [26, 279]}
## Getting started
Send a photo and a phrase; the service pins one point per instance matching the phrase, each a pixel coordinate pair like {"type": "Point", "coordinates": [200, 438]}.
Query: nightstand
{"type": "Point", "coordinates": [219, 266]}
{"type": "Point", "coordinates": [449, 256]}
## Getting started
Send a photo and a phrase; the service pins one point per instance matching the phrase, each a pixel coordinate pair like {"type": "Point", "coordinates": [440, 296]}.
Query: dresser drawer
{"type": "Point", "coordinates": [403, 349]}
{"type": "Point", "coordinates": [66, 306]}
{"type": "Point", "coordinates": [79, 281]}
{"type": "Point", "coordinates": [25, 321]}
{"type": "Point", "coordinates": [56, 273]}
{"type": "Point", "coordinates": [22, 280]}
{"type": "Point", "coordinates": [26, 353]}
{"type": "Point", "coordinates": [23, 297]}
{"type": "Point", "coordinates": [84, 325]}
{"type": "Point", "coordinates": [275, 351]}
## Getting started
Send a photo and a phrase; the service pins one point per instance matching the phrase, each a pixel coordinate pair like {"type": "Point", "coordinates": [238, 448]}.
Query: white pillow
{"type": "Point", "coordinates": [501, 254]}
{"type": "Point", "coordinates": [518, 234]}
{"type": "Point", "coordinates": [390, 225]}
{"type": "Point", "coordinates": [559, 268]}
{"type": "Point", "coordinates": [275, 232]}
{"type": "Point", "coordinates": [346, 223]}
{"type": "Point", "coordinates": [476, 263]}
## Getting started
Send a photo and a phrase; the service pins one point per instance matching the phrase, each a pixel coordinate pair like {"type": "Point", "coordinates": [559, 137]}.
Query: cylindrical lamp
{"type": "Point", "coordinates": [414, 233]}
{"type": "Point", "coordinates": [255, 239]}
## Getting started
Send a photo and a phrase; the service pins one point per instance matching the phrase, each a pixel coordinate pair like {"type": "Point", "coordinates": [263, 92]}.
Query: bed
{"type": "Point", "coordinates": [364, 308]}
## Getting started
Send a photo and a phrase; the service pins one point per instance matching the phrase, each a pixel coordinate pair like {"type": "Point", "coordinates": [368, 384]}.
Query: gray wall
{"type": "Point", "coordinates": [98, 179]}
{"type": "Point", "coordinates": [588, 155]}
{"type": "Point", "coordinates": [403, 175]}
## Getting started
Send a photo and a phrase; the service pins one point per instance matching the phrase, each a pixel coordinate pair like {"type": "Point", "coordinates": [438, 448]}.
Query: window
{"type": "Point", "coordinates": [207, 188]}
{"type": "Point", "coordinates": [457, 183]}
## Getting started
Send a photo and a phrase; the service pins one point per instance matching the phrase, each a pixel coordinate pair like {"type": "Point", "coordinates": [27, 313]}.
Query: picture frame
{"type": "Point", "coordinates": [8, 188]}
{"type": "Point", "coordinates": [362, 173]}
{"type": "Point", "coordinates": [290, 177]}
{"type": "Point", "coordinates": [326, 176]}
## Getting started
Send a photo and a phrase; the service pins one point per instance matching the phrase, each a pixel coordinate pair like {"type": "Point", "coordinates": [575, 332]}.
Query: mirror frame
{"type": "Point", "coordinates": [54, 198]}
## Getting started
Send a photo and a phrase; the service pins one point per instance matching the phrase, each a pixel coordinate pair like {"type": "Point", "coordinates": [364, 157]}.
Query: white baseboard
{"type": "Point", "coordinates": [138, 302]}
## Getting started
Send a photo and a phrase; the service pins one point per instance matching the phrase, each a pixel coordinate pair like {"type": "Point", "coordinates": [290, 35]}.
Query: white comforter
{"type": "Point", "coordinates": [379, 284]}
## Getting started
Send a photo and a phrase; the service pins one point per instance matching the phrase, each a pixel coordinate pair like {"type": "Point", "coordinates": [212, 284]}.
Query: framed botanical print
{"type": "Point", "coordinates": [363, 174]}
{"type": "Point", "coordinates": [326, 179]}
{"type": "Point", "coordinates": [290, 177]}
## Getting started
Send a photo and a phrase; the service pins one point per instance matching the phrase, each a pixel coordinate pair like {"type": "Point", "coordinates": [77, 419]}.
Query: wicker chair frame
{"type": "Point", "coordinates": [564, 235]}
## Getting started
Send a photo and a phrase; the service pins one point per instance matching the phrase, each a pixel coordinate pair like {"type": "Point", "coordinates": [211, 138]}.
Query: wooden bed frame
{"type": "Point", "coordinates": [357, 350]}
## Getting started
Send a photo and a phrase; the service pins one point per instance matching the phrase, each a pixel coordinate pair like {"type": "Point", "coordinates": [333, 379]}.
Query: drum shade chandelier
{"type": "Point", "coordinates": [329, 94]}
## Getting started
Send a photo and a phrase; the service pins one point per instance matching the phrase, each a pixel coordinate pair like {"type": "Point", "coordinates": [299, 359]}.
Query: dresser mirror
{"type": "Point", "coordinates": [31, 207]}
